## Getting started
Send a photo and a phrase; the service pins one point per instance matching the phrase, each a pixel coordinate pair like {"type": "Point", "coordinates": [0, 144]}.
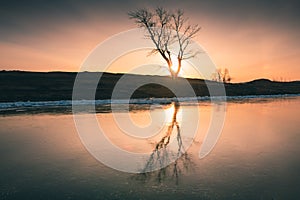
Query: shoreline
{"type": "Point", "coordinates": [100, 106]}
{"type": "Point", "coordinates": [147, 101]}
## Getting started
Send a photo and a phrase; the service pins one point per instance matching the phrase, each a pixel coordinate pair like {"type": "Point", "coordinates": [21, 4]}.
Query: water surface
{"type": "Point", "coordinates": [256, 156]}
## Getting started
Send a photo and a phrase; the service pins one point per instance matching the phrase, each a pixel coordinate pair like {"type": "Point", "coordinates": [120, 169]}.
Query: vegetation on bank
{"type": "Point", "coordinates": [50, 86]}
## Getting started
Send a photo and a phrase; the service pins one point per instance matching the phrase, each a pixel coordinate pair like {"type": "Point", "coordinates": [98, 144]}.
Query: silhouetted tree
{"type": "Point", "coordinates": [221, 76]}
{"type": "Point", "coordinates": [164, 28]}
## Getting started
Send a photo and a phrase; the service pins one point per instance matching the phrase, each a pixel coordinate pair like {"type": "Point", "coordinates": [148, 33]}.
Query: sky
{"type": "Point", "coordinates": [253, 39]}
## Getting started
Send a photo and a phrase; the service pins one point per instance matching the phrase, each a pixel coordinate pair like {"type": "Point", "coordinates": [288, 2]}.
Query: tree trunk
{"type": "Point", "coordinates": [169, 62]}
{"type": "Point", "coordinates": [178, 68]}
{"type": "Point", "coordinates": [170, 68]}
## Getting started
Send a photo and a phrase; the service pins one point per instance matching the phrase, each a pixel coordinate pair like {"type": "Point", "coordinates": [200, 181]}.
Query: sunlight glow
{"type": "Point", "coordinates": [185, 71]}
{"type": "Point", "coordinates": [169, 114]}
{"type": "Point", "coordinates": [174, 67]}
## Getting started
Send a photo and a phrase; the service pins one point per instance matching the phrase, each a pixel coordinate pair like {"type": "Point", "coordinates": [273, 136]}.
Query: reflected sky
{"type": "Point", "coordinates": [256, 157]}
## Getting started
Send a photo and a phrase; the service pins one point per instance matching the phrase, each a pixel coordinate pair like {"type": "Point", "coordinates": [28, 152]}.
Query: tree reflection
{"type": "Point", "coordinates": [162, 156]}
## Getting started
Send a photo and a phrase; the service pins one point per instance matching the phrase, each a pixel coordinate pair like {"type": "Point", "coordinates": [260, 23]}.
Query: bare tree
{"type": "Point", "coordinates": [221, 76]}
{"type": "Point", "coordinates": [165, 28]}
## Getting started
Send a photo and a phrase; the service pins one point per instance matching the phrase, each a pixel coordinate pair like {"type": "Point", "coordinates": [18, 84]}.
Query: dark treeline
{"type": "Point", "coordinates": [50, 86]}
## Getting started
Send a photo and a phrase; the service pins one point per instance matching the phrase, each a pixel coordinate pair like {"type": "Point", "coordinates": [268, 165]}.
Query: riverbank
{"type": "Point", "coordinates": [55, 86]}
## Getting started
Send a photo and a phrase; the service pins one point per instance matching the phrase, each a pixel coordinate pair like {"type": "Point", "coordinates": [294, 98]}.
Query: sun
{"type": "Point", "coordinates": [184, 66]}
{"type": "Point", "coordinates": [174, 66]}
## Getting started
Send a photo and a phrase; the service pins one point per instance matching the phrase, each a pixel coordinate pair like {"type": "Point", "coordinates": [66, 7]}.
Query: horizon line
{"type": "Point", "coordinates": [259, 78]}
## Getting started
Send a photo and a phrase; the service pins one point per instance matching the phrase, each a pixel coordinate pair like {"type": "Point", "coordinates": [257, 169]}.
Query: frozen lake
{"type": "Point", "coordinates": [255, 157]}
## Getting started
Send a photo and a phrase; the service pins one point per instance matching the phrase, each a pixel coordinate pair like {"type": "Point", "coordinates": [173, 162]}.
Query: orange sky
{"type": "Point", "coordinates": [249, 47]}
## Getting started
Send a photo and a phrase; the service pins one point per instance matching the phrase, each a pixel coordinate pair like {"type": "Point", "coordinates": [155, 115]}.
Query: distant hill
{"type": "Point", "coordinates": [50, 86]}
